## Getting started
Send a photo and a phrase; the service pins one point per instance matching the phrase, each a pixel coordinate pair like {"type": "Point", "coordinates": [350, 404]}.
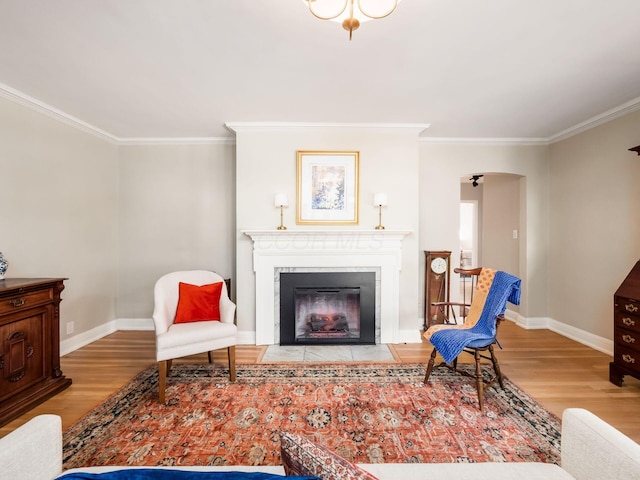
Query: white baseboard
{"type": "Point", "coordinates": [601, 344]}
{"type": "Point", "coordinates": [247, 337]}
{"type": "Point", "coordinates": [135, 323]}
{"type": "Point", "coordinates": [530, 323]}
{"type": "Point", "coordinates": [588, 339]}
{"type": "Point", "coordinates": [85, 338]}
{"type": "Point", "coordinates": [411, 335]}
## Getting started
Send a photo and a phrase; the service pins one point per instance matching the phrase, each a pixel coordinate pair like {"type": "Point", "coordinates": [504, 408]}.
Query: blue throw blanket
{"type": "Point", "coordinates": [166, 474]}
{"type": "Point", "coordinates": [450, 342]}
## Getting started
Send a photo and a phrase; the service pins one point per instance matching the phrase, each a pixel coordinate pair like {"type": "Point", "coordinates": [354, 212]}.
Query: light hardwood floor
{"type": "Point", "coordinates": [556, 371]}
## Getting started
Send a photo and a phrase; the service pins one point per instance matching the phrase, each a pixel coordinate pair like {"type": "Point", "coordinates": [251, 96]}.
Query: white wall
{"type": "Point", "coordinates": [58, 211]}
{"type": "Point", "coordinates": [595, 222]}
{"type": "Point", "coordinates": [75, 205]}
{"type": "Point", "coordinates": [442, 166]}
{"type": "Point", "coordinates": [177, 212]}
{"type": "Point", "coordinates": [266, 165]}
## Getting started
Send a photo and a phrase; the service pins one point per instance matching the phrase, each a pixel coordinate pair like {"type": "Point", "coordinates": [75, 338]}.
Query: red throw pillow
{"type": "Point", "coordinates": [198, 303]}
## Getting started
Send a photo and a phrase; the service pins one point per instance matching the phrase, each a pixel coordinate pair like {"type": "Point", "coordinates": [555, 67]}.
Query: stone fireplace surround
{"type": "Point", "coordinates": [327, 250]}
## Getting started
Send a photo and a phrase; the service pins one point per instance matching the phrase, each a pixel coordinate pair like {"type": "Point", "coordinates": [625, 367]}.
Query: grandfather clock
{"type": "Point", "coordinates": [436, 285]}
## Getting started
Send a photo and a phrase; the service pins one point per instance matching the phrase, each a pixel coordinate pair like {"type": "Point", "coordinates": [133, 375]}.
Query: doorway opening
{"type": "Point", "coordinates": [492, 220]}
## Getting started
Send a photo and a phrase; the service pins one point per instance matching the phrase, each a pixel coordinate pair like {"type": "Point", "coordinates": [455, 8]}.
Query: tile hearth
{"type": "Point", "coordinates": [327, 353]}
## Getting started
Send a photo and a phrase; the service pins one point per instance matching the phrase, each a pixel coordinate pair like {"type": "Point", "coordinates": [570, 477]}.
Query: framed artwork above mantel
{"type": "Point", "coordinates": [328, 187]}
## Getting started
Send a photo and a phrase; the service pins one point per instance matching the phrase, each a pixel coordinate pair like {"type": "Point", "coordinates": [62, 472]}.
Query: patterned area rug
{"type": "Point", "coordinates": [366, 413]}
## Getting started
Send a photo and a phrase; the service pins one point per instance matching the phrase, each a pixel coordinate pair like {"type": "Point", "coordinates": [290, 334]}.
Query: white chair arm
{"type": "Point", "coordinates": [227, 307]}
{"type": "Point", "coordinates": [592, 449]}
{"type": "Point", "coordinates": [33, 451]}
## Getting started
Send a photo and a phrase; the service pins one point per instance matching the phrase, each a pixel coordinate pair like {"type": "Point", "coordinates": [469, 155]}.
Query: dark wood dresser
{"type": "Point", "coordinates": [30, 349]}
{"type": "Point", "coordinates": [626, 329]}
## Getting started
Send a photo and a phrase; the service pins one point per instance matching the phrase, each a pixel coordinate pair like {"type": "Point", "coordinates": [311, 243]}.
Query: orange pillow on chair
{"type": "Point", "coordinates": [198, 303]}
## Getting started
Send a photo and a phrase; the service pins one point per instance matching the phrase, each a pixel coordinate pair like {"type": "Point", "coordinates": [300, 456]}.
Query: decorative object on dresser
{"type": "Point", "coordinates": [626, 329]}
{"type": "Point", "coordinates": [30, 348]}
{"type": "Point", "coordinates": [3, 266]}
{"type": "Point", "coordinates": [436, 285]}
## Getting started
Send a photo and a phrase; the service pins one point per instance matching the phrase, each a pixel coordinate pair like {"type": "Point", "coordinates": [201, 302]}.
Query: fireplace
{"type": "Point", "coordinates": [327, 308]}
{"type": "Point", "coordinates": [334, 250]}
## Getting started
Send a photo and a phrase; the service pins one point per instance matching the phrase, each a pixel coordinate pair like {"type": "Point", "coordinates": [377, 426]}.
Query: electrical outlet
{"type": "Point", "coordinates": [70, 327]}
{"type": "Point", "coordinates": [515, 234]}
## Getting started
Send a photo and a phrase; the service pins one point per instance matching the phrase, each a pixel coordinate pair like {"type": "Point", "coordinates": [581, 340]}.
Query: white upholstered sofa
{"type": "Point", "coordinates": [591, 449]}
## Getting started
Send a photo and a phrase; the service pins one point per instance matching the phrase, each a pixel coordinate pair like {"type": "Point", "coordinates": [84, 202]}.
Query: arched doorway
{"type": "Point", "coordinates": [491, 221]}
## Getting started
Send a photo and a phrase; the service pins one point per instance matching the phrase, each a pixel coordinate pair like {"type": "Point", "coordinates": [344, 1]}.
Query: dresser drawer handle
{"type": "Point", "coordinates": [630, 307]}
{"type": "Point", "coordinates": [628, 359]}
{"type": "Point", "coordinates": [628, 322]}
{"type": "Point", "coordinates": [628, 339]}
{"type": "Point", "coordinates": [17, 302]}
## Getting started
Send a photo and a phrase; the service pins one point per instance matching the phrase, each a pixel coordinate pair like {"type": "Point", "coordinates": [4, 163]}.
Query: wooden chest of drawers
{"type": "Point", "coordinates": [29, 344]}
{"type": "Point", "coordinates": [626, 329]}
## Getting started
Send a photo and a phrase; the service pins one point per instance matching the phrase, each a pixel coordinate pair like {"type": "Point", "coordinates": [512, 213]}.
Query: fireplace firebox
{"type": "Point", "coordinates": [327, 308]}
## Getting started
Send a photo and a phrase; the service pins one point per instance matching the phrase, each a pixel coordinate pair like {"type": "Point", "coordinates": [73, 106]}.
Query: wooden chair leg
{"type": "Point", "coordinates": [496, 366]}
{"type": "Point", "coordinates": [432, 360]}
{"type": "Point", "coordinates": [232, 363]}
{"type": "Point", "coordinates": [210, 356]}
{"type": "Point", "coordinates": [479, 380]}
{"type": "Point", "coordinates": [162, 378]}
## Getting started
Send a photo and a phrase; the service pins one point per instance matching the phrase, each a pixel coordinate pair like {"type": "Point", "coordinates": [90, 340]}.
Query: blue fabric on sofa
{"type": "Point", "coordinates": [166, 474]}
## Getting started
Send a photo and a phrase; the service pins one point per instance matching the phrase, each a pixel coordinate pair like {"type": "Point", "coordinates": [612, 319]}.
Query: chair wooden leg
{"type": "Point", "coordinates": [432, 360]}
{"type": "Point", "coordinates": [232, 363]}
{"type": "Point", "coordinates": [496, 366]}
{"type": "Point", "coordinates": [210, 356]}
{"type": "Point", "coordinates": [479, 381]}
{"type": "Point", "coordinates": [162, 378]}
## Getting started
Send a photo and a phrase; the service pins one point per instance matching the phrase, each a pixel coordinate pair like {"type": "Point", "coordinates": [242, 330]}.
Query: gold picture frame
{"type": "Point", "coordinates": [328, 187]}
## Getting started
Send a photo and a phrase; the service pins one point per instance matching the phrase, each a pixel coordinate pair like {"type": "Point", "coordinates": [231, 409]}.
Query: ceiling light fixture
{"type": "Point", "coordinates": [351, 12]}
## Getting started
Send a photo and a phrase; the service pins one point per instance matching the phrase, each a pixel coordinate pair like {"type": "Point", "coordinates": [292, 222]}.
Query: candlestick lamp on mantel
{"type": "Point", "coordinates": [380, 200]}
{"type": "Point", "coordinates": [280, 201]}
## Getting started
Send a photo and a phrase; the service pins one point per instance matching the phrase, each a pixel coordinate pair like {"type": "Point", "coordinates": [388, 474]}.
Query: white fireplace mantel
{"type": "Point", "coordinates": [380, 250]}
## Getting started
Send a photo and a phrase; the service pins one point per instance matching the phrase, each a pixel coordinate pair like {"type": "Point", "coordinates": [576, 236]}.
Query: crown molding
{"type": "Point", "coordinates": [18, 97]}
{"type": "Point", "coordinates": [619, 111]}
{"type": "Point", "coordinates": [132, 141]}
{"type": "Point", "coordinates": [484, 141]}
{"type": "Point", "coordinates": [52, 112]}
{"type": "Point", "coordinates": [418, 128]}
{"type": "Point", "coordinates": [605, 117]}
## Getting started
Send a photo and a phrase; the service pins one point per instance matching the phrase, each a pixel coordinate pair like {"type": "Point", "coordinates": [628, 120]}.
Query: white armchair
{"type": "Point", "coordinates": [175, 340]}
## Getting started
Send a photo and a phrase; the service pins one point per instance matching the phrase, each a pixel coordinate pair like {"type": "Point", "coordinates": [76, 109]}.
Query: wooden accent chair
{"type": "Point", "coordinates": [448, 309]}
{"type": "Point", "coordinates": [476, 335]}
{"type": "Point", "coordinates": [190, 337]}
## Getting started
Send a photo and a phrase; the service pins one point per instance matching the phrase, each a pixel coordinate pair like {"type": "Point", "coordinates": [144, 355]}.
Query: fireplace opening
{"type": "Point", "coordinates": [327, 308]}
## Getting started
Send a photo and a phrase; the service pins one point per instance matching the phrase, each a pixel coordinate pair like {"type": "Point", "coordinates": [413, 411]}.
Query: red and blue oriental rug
{"type": "Point", "coordinates": [364, 412]}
